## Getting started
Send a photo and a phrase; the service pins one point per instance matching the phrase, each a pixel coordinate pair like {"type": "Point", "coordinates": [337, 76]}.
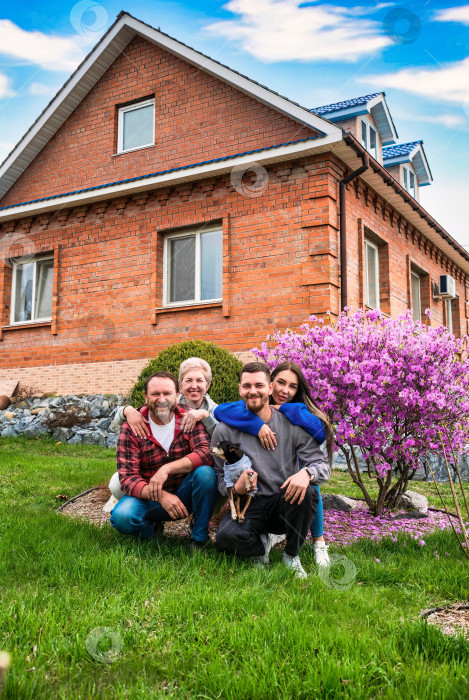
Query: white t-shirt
{"type": "Point", "coordinates": [163, 433]}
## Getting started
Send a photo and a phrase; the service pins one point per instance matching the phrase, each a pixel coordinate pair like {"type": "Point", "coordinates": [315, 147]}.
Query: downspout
{"type": "Point", "coordinates": [343, 227]}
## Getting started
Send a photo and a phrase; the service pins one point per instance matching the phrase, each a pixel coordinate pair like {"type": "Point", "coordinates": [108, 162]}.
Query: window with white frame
{"type": "Point", "coordinates": [193, 267]}
{"type": "Point", "coordinates": [371, 275]}
{"type": "Point", "coordinates": [415, 293]}
{"type": "Point", "coordinates": [32, 290]}
{"type": "Point", "coordinates": [410, 181]}
{"type": "Point", "coordinates": [136, 126]}
{"type": "Point", "coordinates": [370, 138]}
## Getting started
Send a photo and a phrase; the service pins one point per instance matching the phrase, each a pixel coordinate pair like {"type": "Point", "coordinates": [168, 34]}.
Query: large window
{"type": "Point", "coordinates": [371, 275]}
{"type": "Point", "coordinates": [193, 265]}
{"type": "Point", "coordinates": [136, 128]}
{"type": "Point", "coordinates": [416, 296]}
{"type": "Point", "coordinates": [410, 181]}
{"type": "Point", "coordinates": [32, 290]}
{"type": "Point", "coordinates": [369, 138]}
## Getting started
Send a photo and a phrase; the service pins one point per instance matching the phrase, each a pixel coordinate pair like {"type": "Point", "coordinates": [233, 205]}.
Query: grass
{"type": "Point", "coordinates": [207, 627]}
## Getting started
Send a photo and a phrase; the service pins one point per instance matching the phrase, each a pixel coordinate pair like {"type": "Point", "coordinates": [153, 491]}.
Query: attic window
{"type": "Point", "coordinates": [409, 181]}
{"type": "Point", "coordinates": [369, 138]}
{"type": "Point", "coordinates": [136, 127]}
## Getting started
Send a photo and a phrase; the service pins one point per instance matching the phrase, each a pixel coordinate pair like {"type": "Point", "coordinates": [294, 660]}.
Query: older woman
{"type": "Point", "coordinates": [195, 377]}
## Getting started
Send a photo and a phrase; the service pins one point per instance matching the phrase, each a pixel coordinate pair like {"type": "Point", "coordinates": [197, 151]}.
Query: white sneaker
{"type": "Point", "coordinates": [109, 505]}
{"type": "Point", "coordinates": [320, 554]}
{"type": "Point", "coordinates": [294, 564]}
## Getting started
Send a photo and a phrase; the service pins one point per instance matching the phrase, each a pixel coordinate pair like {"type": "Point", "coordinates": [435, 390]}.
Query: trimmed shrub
{"type": "Point", "coordinates": [225, 369]}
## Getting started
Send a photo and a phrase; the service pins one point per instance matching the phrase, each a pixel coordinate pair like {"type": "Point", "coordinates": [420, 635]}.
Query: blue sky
{"type": "Point", "coordinates": [312, 52]}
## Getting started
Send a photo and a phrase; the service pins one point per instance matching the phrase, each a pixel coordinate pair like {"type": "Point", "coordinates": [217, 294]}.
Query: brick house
{"type": "Point", "coordinates": [162, 196]}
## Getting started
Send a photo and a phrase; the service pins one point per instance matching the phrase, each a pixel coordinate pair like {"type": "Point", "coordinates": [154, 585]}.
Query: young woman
{"type": "Point", "coordinates": [291, 396]}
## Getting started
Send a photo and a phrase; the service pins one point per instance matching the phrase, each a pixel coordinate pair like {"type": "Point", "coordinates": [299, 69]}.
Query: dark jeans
{"type": "Point", "coordinates": [268, 514]}
{"type": "Point", "coordinates": [198, 492]}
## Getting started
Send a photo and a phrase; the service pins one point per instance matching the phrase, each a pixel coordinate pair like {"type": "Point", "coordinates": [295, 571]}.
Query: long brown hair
{"type": "Point", "coordinates": [303, 395]}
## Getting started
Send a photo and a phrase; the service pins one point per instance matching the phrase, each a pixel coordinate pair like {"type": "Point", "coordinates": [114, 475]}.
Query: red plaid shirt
{"type": "Point", "coordinates": [138, 459]}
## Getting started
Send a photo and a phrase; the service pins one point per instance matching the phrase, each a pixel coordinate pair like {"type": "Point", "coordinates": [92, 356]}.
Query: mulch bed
{"type": "Point", "coordinates": [339, 528]}
{"type": "Point", "coordinates": [450, 619]}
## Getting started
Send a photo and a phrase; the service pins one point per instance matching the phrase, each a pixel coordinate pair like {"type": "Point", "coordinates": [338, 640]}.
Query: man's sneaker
{"type": "Point", "coordinates": [320, 554]}
{"type": "Point", "coordinates": [294, 564]}
{"type": "Point", "coordinates": [195, 546]}
{"type": "Point", "coordinates": [158, 529]}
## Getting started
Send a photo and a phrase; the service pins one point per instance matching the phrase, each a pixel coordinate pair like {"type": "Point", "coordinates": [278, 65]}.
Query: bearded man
{"type": "Point", "coordinates": [167, 474]}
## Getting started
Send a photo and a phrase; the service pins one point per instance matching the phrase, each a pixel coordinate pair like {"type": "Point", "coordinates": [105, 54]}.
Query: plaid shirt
{"type": "Point", "coordinates": [138, 459]}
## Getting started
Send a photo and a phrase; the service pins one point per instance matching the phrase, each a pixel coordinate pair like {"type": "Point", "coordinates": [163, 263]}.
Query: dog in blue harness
{"type": "Point", "coordinates": [235, 463]}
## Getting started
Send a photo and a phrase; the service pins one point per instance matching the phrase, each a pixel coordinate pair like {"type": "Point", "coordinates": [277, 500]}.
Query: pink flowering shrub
{"type": "Point", "coordinates": [388, 386]}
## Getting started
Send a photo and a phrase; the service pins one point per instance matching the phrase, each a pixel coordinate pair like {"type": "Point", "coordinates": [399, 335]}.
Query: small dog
{"type": "Point", "coordinates": [235, 464]}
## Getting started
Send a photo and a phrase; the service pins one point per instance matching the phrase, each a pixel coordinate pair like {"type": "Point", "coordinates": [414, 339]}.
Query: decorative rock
{"type": "Point", "coordinates": [21, 404]}
{"type": "Point", "coordinates": [97, 437]}
{"type": "Point", "coordinates": [332, 501]}
{"type": "Point", "coordinates": [61, 434]}
{"type": "Point", "coordinates": [76, 440]}
{"type": "Point", "coordinates": [38, 410]}
{"type": "Point", "coordinates": [4, 402]}
{"type": "Point", "coordinates": [413, 501]}
{"type": "Point", "coordinates": [112, 440]}
{"type": "Point", "coordinates": [9, 415]}
{"type": "Point", "coordinates": [9, 431]}
{"type": "Point", "coordinates": [35, 430]}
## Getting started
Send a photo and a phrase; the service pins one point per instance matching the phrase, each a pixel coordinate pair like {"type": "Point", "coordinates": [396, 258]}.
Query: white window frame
{"type": "Point", "coordinates": [367, 141]}
{"type": "Point", "coordinates": [368, 243]}
{"type": "Point", "coordinates": [166, 267]}
{"type": "Point", "coordinates": [406, 174]}
{"type": "Point", "coordinates": [16, 264]}
{"type": "Point", "coordinates": [414, 275]}
{"type": "Point", "coordinates": [120, 125]}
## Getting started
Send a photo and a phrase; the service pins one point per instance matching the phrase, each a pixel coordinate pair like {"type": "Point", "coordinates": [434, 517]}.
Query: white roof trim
{"type": "Point", "coordinates": [272, 155]}
{"type": "Point", "coordinates": [99, 60]}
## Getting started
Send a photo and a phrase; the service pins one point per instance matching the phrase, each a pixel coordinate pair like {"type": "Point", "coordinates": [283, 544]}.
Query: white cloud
{"type": "Point", "coordinates": [453, 14]}
{"type": "Point", "coordinates": [450, 83]}
{"type": "Point", "coordinates": [445, 201]}
{"type": "Point", "coordinates": [5, 88]}
{"type": "Point", "coordinates": [289, 30]}
{"type": "Point", "coordinates": [5, 148]}
{"type": "Point", "coordinates": [50, 52]}
{"type": "Point", "coordinates": [42, 89]}
{"type": "Point", "coordinates": [449, 120]}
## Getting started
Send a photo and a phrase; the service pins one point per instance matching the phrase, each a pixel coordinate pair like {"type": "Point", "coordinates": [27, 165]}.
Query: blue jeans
{"type": "Point", "coordinates": [198, 492]}
{"type": "Point", "coordinates": [317, 525]}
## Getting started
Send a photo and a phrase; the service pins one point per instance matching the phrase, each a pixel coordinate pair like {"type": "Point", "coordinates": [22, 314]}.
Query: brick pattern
{"type": "Point", "coordinates": [197, 118]}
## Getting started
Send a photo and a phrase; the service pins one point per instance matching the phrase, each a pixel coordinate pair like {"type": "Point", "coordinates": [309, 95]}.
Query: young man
{"type": "Point", "coordinates": [286, 500]}
{"type": "Point", "coordinates": [165, 475]}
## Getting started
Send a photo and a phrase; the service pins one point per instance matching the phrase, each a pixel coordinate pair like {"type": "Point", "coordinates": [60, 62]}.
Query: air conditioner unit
{"type": "Point", "coordinates": [447, 287]}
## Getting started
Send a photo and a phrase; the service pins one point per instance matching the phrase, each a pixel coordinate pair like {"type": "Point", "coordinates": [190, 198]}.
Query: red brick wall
{"type": "Point", "coordinates": [198, 118]}
{"type": "Point", "coordinates": [280, 265]}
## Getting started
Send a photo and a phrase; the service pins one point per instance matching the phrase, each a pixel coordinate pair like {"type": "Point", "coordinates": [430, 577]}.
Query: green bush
{"type": "Point", "coordinates": [225, 369]}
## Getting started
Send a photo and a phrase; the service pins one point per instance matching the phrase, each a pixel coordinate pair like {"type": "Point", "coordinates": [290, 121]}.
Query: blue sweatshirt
{"type": "Point", "coordinates": [238, 416]}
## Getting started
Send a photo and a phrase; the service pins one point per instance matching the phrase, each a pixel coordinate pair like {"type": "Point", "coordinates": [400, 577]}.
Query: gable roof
{"type": "Point", "coordinates": [101, 57]}
{"type": "Point", "coordinates": [374, 104]}
{"type": "Point", "coordinates": [411, 152]}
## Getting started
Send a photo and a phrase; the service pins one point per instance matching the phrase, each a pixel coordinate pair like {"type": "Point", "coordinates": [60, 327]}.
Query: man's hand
{"type": "Point", "coordinates": [173, 506]}
{"type": "Point", "coordinates": [240, 486]}
{"type": "Point", "coordinates": [267, 438]}
{"type": "Point", "coordinates": [138, 424]}
{"type": "Point", "coordinates": [192, 417]}
{"type": "Point", "coordinates": [156, 483]}
{"type": "Point", "coordinates": [296, 486]}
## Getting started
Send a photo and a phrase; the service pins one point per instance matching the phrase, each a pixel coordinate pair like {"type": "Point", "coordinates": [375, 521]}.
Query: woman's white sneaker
{"type": "Point", "coordinates": [320, 554]}
{"type": "Point", "coordinates": [294, 564]}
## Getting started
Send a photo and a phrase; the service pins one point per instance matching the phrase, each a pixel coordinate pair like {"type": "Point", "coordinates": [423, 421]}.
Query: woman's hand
{"type": "Point", "coordinates": [138, 424]}
{"type": "Point", "coordinates": [267, 438]}
{"type": "Point", "coordinates": [192, 417]}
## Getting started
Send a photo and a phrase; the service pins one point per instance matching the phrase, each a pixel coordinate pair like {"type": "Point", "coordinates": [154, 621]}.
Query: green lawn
{"type": "Point", "coordinates": [207, 627]}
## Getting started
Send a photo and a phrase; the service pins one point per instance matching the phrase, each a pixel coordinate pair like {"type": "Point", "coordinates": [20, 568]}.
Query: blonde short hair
{"type": "Point", "coordinates": [195, 363]}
